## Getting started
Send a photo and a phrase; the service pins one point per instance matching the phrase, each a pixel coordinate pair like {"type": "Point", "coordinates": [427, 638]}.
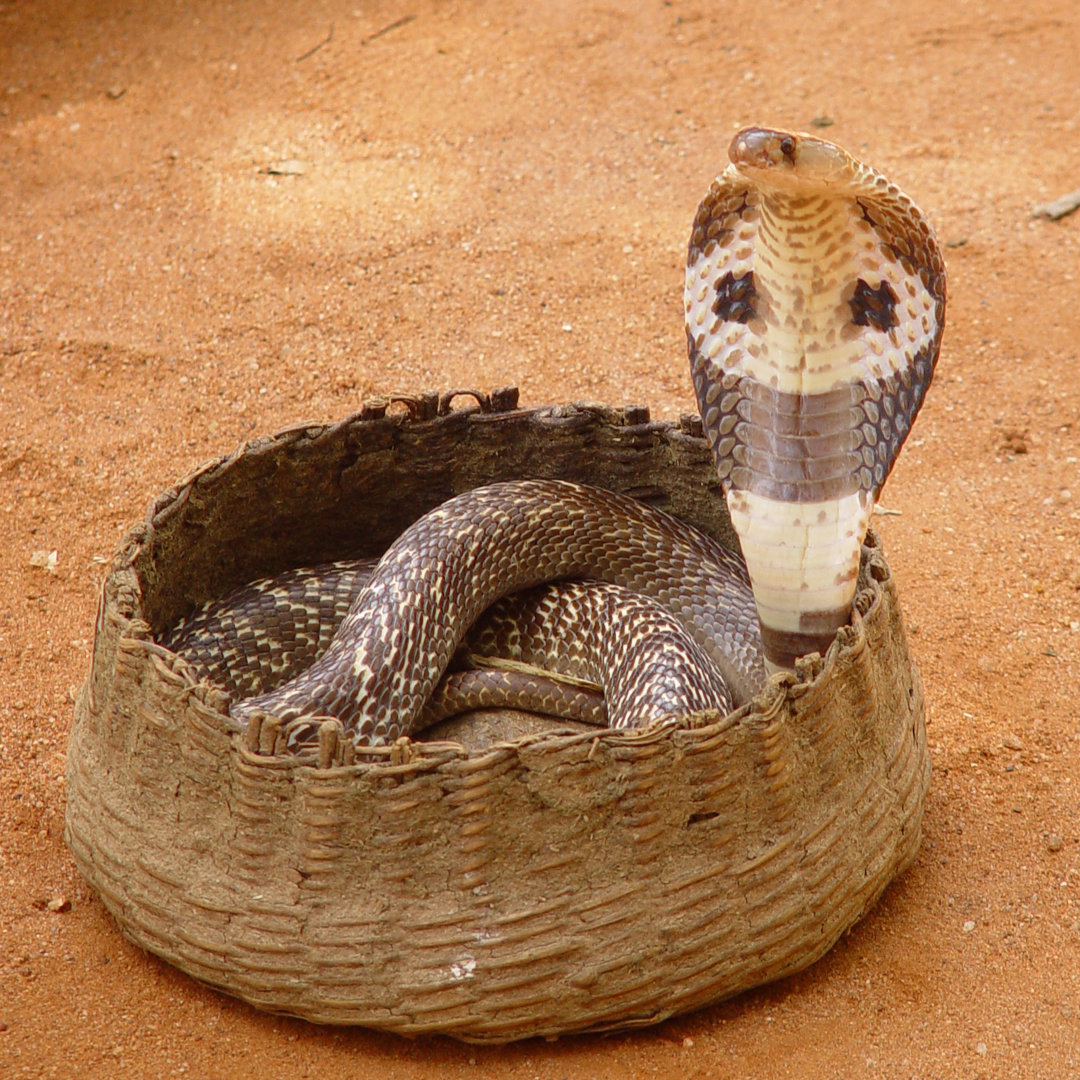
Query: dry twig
{"type": "Point", "coordinates": [315, 48]}
{"type": "Point", "coordinates": [1059, 208]}
{"type": "Point", "coordinates": [403, 21]}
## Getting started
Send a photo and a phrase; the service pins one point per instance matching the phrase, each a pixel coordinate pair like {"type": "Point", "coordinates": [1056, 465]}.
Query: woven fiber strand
{"type": "Point", "coordinates": [562, 881]}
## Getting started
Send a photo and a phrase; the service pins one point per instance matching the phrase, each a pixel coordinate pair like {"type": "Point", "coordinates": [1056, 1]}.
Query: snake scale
{"type": "Point", "coordinates": [815, 299]}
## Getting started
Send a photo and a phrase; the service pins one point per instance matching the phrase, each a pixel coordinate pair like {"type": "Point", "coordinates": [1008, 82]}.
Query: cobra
{"type": "Point", "coordinates": [815, 299]}
{"type": "Point", "coordinates": [815, 305]}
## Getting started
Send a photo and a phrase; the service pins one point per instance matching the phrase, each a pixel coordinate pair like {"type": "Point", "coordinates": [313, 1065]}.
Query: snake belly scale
{"type": "Point", "coordinates": [814, 297]}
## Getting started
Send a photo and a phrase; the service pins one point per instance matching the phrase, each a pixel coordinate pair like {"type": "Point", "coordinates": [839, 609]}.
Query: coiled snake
{"type": "Point", "coordinates": [815, 298]}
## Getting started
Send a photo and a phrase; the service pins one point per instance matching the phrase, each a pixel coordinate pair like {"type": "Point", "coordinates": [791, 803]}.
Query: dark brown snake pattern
{"type": "Point", "coordinates": [552, 649]}
{"type": "Point", "coordinates": [406, 624]}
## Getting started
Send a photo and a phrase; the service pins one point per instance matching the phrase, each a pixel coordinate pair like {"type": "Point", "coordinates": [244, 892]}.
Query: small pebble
{"type": "Point", "coordinates": [1011, 742]}
{"type": "Point", "coordinates": [292, 167]}
{"type": "Point", "coordinates": [44, 560]}
{"type": "Point", "coordinates": [59, 903]}
{"type": "Point", "coordinates": [1014, 442]}
{"type": "Point", "coordinates": [980, 1049]}
{"type": "Point", "coordinates": [1055, 842]}
{"type": "Point", "coordinates": [968, 926]}
{"type": "Point", "coordinates": [687, 1042]}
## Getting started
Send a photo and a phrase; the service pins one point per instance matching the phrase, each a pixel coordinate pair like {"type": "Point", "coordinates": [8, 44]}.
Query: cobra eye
{"type": "Point", "coordinates": [787, 147]}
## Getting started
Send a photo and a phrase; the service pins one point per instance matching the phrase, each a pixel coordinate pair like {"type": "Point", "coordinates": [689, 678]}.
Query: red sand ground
{"type": "Point", "coordinates": [502, 192]}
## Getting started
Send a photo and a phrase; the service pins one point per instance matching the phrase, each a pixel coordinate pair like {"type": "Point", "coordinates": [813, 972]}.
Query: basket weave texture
{"type": "Point", "coordinates": [558, 882]}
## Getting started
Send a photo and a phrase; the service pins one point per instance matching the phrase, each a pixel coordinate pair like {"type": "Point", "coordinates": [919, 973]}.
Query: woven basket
{"type": "Point", "coordinates": [563, 881]}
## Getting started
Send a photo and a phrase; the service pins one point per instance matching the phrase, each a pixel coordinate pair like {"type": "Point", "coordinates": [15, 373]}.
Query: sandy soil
{"type": "Point", "coordinates": [483, 193]}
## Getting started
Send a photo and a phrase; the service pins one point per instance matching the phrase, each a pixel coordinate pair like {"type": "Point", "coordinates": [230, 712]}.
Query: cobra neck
{"type": "Point", "coordinates": [805, 249]}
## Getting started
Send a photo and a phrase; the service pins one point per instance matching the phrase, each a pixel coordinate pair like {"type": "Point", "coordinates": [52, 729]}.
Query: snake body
{"type": "Point", "coordinates": [814, 297]}
{"type": "Point", "coordinates": [547, 649]}
{"type": "Point", "coordinates": [436, 579]}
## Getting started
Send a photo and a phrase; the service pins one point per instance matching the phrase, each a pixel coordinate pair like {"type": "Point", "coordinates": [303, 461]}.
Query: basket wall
{"type": "Point", "coordinates": [556, 883]}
